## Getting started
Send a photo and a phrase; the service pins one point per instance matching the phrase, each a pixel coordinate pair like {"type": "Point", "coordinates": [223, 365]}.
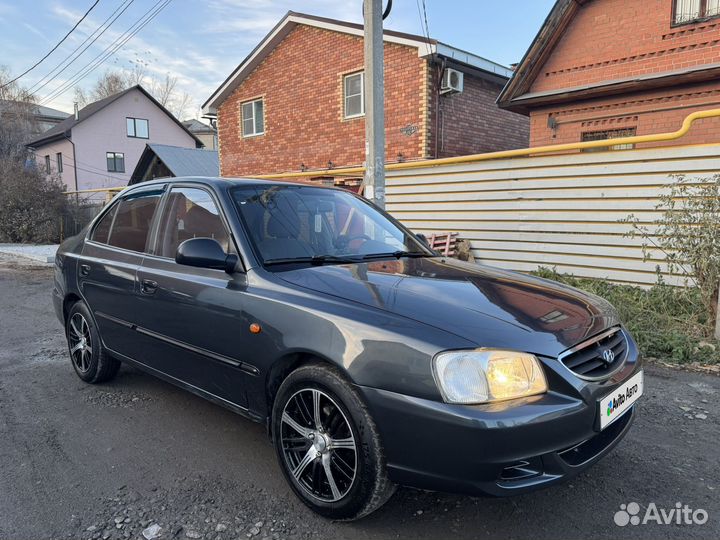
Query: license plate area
{"type": "Point", "coordinates": [619, 401]}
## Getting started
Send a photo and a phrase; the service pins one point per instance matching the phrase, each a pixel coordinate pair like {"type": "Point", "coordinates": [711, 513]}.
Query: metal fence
{"type": "Point", "coordinates": [562, 211]}
{"type": "Point", "coordinates": [81, 208]}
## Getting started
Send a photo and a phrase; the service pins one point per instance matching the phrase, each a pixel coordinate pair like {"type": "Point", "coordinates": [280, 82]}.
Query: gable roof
{"type": "Point", "coordinates": [63, 129]}
{"type": "Point", "coordinates": [427, 47]}
{"type": "Point", "coordinates": [180, 161]}
{"type": "Point", "coordinates": [517, 97]}
{"type": "Point", "coordinates": [196, 126]}
{"type": "Point", "coordinates": [547, 37]}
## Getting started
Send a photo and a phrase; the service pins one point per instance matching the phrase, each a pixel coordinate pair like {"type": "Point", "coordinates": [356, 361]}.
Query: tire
{"type": "Point", "coordinates": [88, 355]}
{"type": "Point", "coordinates": [358, 475]}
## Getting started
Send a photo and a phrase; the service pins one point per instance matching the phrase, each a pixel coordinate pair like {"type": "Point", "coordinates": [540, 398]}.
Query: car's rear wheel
{"type": "Point", "coordinates": [87, 353]}
{"type": "Point", "coordinates": [328, 445]}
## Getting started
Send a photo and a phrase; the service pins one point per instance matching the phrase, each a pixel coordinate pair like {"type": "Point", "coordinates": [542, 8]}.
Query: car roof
{"type": "Point", "coordinates": [223, 182]}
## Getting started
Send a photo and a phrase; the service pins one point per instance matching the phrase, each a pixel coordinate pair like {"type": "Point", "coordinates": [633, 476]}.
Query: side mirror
{"type": "Point", "coordinates": [205, 253]}
{"type": "Point", "coordinates": [423, 239]}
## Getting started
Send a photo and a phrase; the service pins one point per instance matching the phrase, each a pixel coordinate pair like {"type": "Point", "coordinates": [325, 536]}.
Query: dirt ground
{"type": "Point", "coordinates": [109, 461]}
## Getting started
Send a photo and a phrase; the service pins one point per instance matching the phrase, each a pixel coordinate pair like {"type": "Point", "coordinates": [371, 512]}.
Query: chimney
{"type": "Point", "coordinates": [77, 112]}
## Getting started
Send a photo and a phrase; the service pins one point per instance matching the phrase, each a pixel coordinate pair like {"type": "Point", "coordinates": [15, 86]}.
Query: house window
{"type": "Point", "coordinates": [253, 121]}
{"type": "Point", "coordinates": [58, 158]}
{"type": "Point", "coordinates": [686, 11]}
{"type": "Point", "coordinates": [47, 165]}
{"type": "Point", "coordinates": [609, 134]}
{"type": "Point", "coordinates": [354, 94]}
{"type": "Point", "coordinates": [138, 128]}
{"type": "Point", "coordinates": [115, 161]}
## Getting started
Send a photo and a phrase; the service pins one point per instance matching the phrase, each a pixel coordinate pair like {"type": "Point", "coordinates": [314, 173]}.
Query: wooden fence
{"type": "Point", "coordinates": [560, 211]}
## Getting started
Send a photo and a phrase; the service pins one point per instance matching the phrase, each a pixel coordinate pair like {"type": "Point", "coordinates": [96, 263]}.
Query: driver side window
{"type": "Point", "coordinates": [190, 213]}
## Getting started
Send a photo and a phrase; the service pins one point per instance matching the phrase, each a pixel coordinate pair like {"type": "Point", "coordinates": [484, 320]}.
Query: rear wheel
{"type": "Point", "coordinates": [87, 353]}
{"type": "Point", "coordinates": [328, 445]}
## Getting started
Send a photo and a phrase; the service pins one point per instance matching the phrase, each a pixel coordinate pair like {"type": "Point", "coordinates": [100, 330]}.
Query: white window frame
{"type": "Point", "coordinates": [255, 132]}
{"type": "Point", "coordinates": [346, 96]}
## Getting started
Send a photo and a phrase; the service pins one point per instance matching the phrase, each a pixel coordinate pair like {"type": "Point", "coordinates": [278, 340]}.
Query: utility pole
{"type": "Point", "coordinates": [374, 180]}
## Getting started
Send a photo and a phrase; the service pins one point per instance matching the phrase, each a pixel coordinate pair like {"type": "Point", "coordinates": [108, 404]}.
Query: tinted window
{"type": "Point", "coordinates": [289, 222]}
{"type": "Point", "coordinates": [131, 227]}
{"type": "Point", "coordinates": [102, 229]}
{"type": "Point", "coordinates": [190, 213]}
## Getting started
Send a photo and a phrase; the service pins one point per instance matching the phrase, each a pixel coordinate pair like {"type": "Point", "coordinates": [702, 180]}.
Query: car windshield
{"type": "Point", "coordinates": [310, 224]}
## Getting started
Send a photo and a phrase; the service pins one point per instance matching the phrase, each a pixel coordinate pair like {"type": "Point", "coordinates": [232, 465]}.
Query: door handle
{"type": "Point", "coordinates": [148, 286]}
{"type": "Point", "coordinates": [84, 269]}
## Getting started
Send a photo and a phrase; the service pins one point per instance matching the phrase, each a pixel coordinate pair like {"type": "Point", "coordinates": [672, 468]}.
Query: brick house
{"type": "Point", "coordinates": [296, 102]}
{"type": "Point", "coordinates": [606, 68]}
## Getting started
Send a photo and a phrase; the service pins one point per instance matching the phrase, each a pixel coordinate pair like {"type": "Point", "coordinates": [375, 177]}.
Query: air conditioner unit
{"type": "Point", "coordinates": [452, 81]}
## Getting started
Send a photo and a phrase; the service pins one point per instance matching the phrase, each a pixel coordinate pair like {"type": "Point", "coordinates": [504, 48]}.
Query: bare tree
{"type": "Point", "coordinates": [17, 118]}
{"type": "Point", "coordinates": [164, 89]}
{"type": "Point", "coordinates": [112, 82]}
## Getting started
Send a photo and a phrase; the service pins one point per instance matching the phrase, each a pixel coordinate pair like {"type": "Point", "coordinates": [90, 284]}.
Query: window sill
{"type": "Point", "coordinates": [699, 20]}
{"type": "Point", "coordinates": [253, 135]}
{"type": "Point", "coordinates": [353, 117]}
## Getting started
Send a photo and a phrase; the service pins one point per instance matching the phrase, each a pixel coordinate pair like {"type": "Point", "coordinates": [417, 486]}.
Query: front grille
{"type": "Point", "coordinates": [591, 360]}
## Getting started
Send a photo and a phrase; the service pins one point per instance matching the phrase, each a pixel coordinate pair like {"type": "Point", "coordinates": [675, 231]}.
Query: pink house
{"type": "Point", "coordinates": [99, 146]}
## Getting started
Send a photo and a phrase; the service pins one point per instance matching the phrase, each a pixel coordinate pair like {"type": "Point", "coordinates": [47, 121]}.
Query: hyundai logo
{"type": "Point", "coordinates": [608, 357]}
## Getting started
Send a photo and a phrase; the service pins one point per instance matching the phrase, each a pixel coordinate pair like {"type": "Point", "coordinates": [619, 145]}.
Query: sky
{"type": "Point", "coordinates": [201, 42]}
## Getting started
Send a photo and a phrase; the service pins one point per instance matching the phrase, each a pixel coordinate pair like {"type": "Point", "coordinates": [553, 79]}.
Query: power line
{"type": "Point", "coordinates": [422, 12]}
{"type": "Point", "coordinates": [36, 88]}
{"type": "Point", "coordinates": [110, 49]}
{"type": "Point", "coordinates": [36, 64]}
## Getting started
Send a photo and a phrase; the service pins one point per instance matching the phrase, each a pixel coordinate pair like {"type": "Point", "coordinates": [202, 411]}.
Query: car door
{"type": "Point", "coordinates": [109, 263]}
{"type": "Point", "coordinates": [194, 315]}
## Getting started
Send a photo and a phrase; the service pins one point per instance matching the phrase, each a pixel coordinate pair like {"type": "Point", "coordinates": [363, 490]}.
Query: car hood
{"type": "Point", "coordinates": [491, 307]}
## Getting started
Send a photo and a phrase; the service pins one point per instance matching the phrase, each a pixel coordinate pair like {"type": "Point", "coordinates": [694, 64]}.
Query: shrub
{"type": "Point", "coordinates": [31, 204]}
{"type": "Point", "coordinates": [688, 234]}
{"type": "Point", "coordinates": [667, 322]}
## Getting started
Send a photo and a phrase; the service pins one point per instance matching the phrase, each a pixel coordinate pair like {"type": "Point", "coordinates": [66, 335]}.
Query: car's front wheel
{"type": "Point", "coordinates": [328, 445]}
{"type": "Point", "coordinates": [87, 353]}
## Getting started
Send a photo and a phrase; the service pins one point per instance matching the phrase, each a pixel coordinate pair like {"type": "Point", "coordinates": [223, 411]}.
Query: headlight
{"type": "Point", "coordinates": [482, 376]}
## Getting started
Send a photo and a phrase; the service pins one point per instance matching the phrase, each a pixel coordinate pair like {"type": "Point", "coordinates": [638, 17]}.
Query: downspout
{"type": "Point", "coordinates": [74, 166]}
{"type": "Point", "coordinates": [436, 91]}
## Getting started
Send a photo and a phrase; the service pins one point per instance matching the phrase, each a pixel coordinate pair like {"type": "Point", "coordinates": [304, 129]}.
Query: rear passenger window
{"type": "Point", "coordinates": [191, 213]}
{"type": "Point", "coordinates": [131, 227]}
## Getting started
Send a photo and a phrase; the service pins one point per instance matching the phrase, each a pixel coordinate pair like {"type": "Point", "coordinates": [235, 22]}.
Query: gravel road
{"type": "Point", "coordinates": [137, 454]}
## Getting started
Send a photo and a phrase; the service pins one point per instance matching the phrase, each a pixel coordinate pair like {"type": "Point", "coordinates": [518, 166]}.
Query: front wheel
{"type": "Point", "coordinates": [328, 445]}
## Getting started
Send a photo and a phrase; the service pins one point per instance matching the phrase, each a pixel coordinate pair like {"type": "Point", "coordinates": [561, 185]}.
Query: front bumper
{"type": "Point", "coordinates": [497, 449]}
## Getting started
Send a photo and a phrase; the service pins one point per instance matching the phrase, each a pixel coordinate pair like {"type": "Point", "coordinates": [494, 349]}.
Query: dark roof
{"type": "Point", "coordinates": [37, 110]}
{"type": "Point", "coordinates": [64, 128]}
{"type": "Point", "coordinates": [180, 161]}
{"type": "Point", "coordinates": [196, 126]}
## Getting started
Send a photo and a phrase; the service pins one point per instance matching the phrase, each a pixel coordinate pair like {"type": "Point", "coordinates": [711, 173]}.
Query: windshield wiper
{"type": "Point", "coordinates": [397, 254]}
{"type": "Point", "coordinates": [316, 260]}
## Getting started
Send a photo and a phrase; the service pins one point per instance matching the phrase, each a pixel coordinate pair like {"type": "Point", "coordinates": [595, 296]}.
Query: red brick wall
{"type": "Point", "coordinates": [650, 112]}
{"type": "Point", "coordinates": [471, 123]}
{"type": "Point", "coordinates": [613, 39]}
{"type": "Point", "coordinates": [301, 82]}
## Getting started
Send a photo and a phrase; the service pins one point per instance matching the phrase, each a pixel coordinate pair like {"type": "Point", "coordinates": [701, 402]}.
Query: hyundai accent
{"type": "Point", "coordinates": [372, 360]}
